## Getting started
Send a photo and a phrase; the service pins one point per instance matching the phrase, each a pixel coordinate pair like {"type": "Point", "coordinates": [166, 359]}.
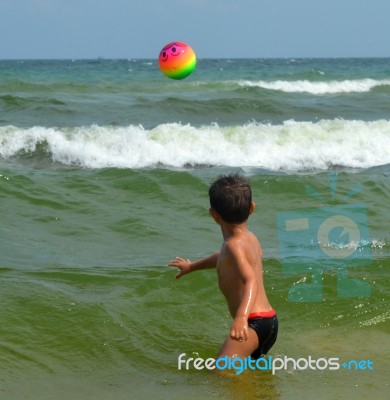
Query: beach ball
{"type": "Point", "coordinates": [177, 60]}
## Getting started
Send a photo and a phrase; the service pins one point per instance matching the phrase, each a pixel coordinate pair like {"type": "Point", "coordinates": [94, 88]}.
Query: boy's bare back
{"type": "Point", "coordinates": [240, 259]}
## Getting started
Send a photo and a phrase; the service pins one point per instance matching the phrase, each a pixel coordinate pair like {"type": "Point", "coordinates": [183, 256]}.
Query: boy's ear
{"type": "Point", "coordinates": [252, 207]}
{"type": "Point", "coordinates": [214, 214]}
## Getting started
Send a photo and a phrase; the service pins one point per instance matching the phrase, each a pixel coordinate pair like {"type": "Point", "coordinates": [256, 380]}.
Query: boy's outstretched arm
{"type": "Point", "coordinates": [186, 266]}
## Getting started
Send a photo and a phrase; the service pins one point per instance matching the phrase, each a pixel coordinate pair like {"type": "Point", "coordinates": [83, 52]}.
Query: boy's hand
{"type": "Point", "coordinates": [239, 329]}
{"type": "Point", "coordinates": [183, 265]}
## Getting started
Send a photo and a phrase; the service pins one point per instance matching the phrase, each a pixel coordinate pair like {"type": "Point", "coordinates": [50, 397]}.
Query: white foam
{"type": "Point", "coordinates": [291, 146]}
{"type": "Point", "coordinates": [320, 87]}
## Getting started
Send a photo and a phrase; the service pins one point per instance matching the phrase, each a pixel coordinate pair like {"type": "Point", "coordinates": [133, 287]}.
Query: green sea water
{"type": "Point", "coordinates": [90, 309]}
{"type": "Point", "coordinates": [103, 183]}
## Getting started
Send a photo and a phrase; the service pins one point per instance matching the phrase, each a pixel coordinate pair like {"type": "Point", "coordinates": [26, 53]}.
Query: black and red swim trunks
{"type": "Point", "coordinates": [265, 324]}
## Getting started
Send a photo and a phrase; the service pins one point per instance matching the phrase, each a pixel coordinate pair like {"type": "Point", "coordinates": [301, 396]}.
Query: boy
{"type": "Point", "coordinates": [240, 272]}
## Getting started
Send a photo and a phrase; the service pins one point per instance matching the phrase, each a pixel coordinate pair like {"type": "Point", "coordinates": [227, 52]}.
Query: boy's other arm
{"type": "Point", "coordinates": [186, 266]}
{"type": "Point", "coordinates": [239, 328]}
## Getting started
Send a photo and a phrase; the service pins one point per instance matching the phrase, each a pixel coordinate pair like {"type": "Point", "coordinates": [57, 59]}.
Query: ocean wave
{"type": "Point", "coordinates": [291, 146]}
{"type": "Point", "coordinates": [15, 102]}
{"type": "Point", "coordinates": [319, 87]}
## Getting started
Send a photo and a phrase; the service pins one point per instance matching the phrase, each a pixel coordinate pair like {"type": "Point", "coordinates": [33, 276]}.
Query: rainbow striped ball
{"type": "Point", "coordinates": [177, 60]}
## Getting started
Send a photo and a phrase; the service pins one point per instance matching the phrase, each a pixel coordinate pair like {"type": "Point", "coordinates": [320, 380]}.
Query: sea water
{"type": "Point", "coordinates": [104, 172]}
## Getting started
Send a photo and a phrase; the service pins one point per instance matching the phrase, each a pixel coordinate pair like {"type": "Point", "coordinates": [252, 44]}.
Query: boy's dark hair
{"type": "Point", "coordinates": [231, 197]}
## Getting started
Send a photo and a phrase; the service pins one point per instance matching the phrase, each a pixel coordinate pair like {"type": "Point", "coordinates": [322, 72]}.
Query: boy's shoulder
{"type": "Point", "coordinates": [242, 242]}
{"type": "Point", "coordinates": [237, 243]}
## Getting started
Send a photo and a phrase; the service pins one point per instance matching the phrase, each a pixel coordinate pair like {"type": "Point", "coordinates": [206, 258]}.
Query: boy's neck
{"type": "Point", "coordinates": [230, 230]}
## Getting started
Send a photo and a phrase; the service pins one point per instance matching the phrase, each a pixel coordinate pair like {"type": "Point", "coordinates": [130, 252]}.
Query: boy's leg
{"type": "Point", "coordinates": [233, 348]}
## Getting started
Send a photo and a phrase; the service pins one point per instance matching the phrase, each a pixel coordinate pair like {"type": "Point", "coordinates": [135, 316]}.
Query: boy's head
{"type": "Point", "coordinates": [231, 197]}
